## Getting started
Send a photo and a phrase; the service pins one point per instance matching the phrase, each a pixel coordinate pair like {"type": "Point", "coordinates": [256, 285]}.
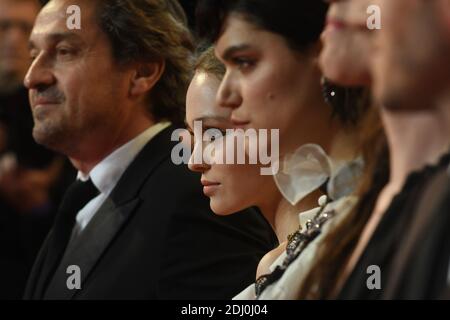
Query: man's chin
{"type": "Point", "coordinates": [47, 138]}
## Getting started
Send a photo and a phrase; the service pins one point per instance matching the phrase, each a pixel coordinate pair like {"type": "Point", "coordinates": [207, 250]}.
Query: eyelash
{"type": "Point", "coordinates": [64, 51]}
{"type": "Point", "coordinates": [243, 63]}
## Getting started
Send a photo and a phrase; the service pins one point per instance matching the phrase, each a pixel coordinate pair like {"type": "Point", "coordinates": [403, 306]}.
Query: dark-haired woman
{"type": "Point", "coordinates": [272, 81]}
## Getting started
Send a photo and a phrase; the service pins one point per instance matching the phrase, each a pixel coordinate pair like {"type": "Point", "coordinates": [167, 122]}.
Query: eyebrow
{"type": "Point", "coordinates": [230, 51]}
{"type": "Point", "coordinates": [58, 37]}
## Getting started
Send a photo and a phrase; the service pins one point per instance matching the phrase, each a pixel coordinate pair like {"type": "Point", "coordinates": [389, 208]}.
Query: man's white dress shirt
{"type": "Point", "coordinates": [108, 172]}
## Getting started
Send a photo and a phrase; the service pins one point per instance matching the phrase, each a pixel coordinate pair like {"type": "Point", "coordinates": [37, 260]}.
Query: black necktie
{"type": "Point", "coordinates": [76, 197]}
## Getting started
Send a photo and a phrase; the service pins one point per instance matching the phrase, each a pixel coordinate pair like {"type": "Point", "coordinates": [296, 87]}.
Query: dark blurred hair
{"type": "Point", "coordinates": [152, 30]}
{"type": "Point", "coordinates": [349, 104]}
{"type": "Point", "coordinates": [300, 22]}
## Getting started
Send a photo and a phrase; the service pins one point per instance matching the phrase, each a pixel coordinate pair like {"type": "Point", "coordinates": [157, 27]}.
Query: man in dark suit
{"type": "Point", "coordinates": [107, 83]}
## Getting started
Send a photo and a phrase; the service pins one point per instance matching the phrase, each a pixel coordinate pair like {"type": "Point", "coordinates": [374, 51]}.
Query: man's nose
{"type": "Point", "coordinates": [39, 75]}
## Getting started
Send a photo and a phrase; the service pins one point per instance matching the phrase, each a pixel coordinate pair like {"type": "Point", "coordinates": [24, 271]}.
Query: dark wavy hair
{"type": "Point", "coordinates": [151, 30]}
{"type": "Point", "coordinates": [300, 22]}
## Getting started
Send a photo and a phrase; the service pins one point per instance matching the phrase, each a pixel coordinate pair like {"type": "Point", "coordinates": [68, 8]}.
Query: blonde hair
{"type": "Point", "coordinates": [209, 63]}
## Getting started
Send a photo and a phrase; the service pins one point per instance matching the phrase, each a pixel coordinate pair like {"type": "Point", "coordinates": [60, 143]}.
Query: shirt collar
{"type": "Point", "coordinates": [108, 172]}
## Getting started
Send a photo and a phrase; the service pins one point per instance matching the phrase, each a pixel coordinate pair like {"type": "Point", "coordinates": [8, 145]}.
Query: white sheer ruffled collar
{"type": "Point", "coordinates": [309, 168]}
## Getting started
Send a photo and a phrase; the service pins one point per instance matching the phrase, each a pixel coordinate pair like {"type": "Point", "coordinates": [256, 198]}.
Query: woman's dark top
{"type": "Point", "coordinates": [429, 262]}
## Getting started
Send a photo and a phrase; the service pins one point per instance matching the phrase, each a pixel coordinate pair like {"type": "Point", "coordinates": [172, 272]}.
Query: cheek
{"type": "Point", "coordinates": [239, 183]}
{"type": "Point", "coordinates": [256, 90]}
{"type": "Point", "coordinates": [288, 82]}
{"type": "Point", "coordinates": [336, 57]}
{"type": "Point", "coordinates": [394, 17]}
{"type": "Point", "coordinates": [330, 60]}
{"type": "Point", "coordinates": [88, 92]}
{"type": "Point", "coordinates": [390, 51]}
{"type": "Point", "coordinates": [350, 65]}
{"type": "Point", "coordinates": [85, 99]}
{"type": "Point", "coordinates": [284, 97]}
{"type": "Point", "coordinates": [263, 95]}
{"type": "Point", "coordinates": [71, 82]}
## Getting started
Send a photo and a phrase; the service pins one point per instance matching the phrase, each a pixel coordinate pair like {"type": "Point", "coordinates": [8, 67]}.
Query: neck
{"type": "Point", "coordinates": [286, 221]}
{"type": "Point", "coordinates": [287, 215]}
{"type": "Point", "coordinates": [344, 146]}
{"type": "Point", "coordinates": [320, 128]}
{"type": "Point", "coordinates": [270, 200]}
{"type": "Point", "coordinates": [85, 160]}
{"type": "Point", "coordinates": [415, 140]}
{"type": "Point", "coordinates": [282, 216]}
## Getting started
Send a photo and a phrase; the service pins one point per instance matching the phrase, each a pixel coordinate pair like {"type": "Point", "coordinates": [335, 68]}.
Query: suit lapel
{"type": "Point", "coordinates": [88, 248]}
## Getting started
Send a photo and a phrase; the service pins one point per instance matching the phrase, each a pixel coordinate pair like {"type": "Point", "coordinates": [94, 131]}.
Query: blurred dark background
{"type": "Point", "coordinates": [189, 7]}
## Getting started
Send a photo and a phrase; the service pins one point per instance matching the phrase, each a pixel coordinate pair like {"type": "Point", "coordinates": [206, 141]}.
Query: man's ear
{"type": "Point", "coordinates": [145, 77]}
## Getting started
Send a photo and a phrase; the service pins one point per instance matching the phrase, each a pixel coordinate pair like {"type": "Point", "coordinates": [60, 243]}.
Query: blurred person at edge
{"type": "Point", "coordinates": [411, 80]}
{"type": "Point", "coordinates": [410, 84]}
{"type": "Point", "coordinates": [345, 63]}
{"type": "Point", "coordinates": [30, 175]}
